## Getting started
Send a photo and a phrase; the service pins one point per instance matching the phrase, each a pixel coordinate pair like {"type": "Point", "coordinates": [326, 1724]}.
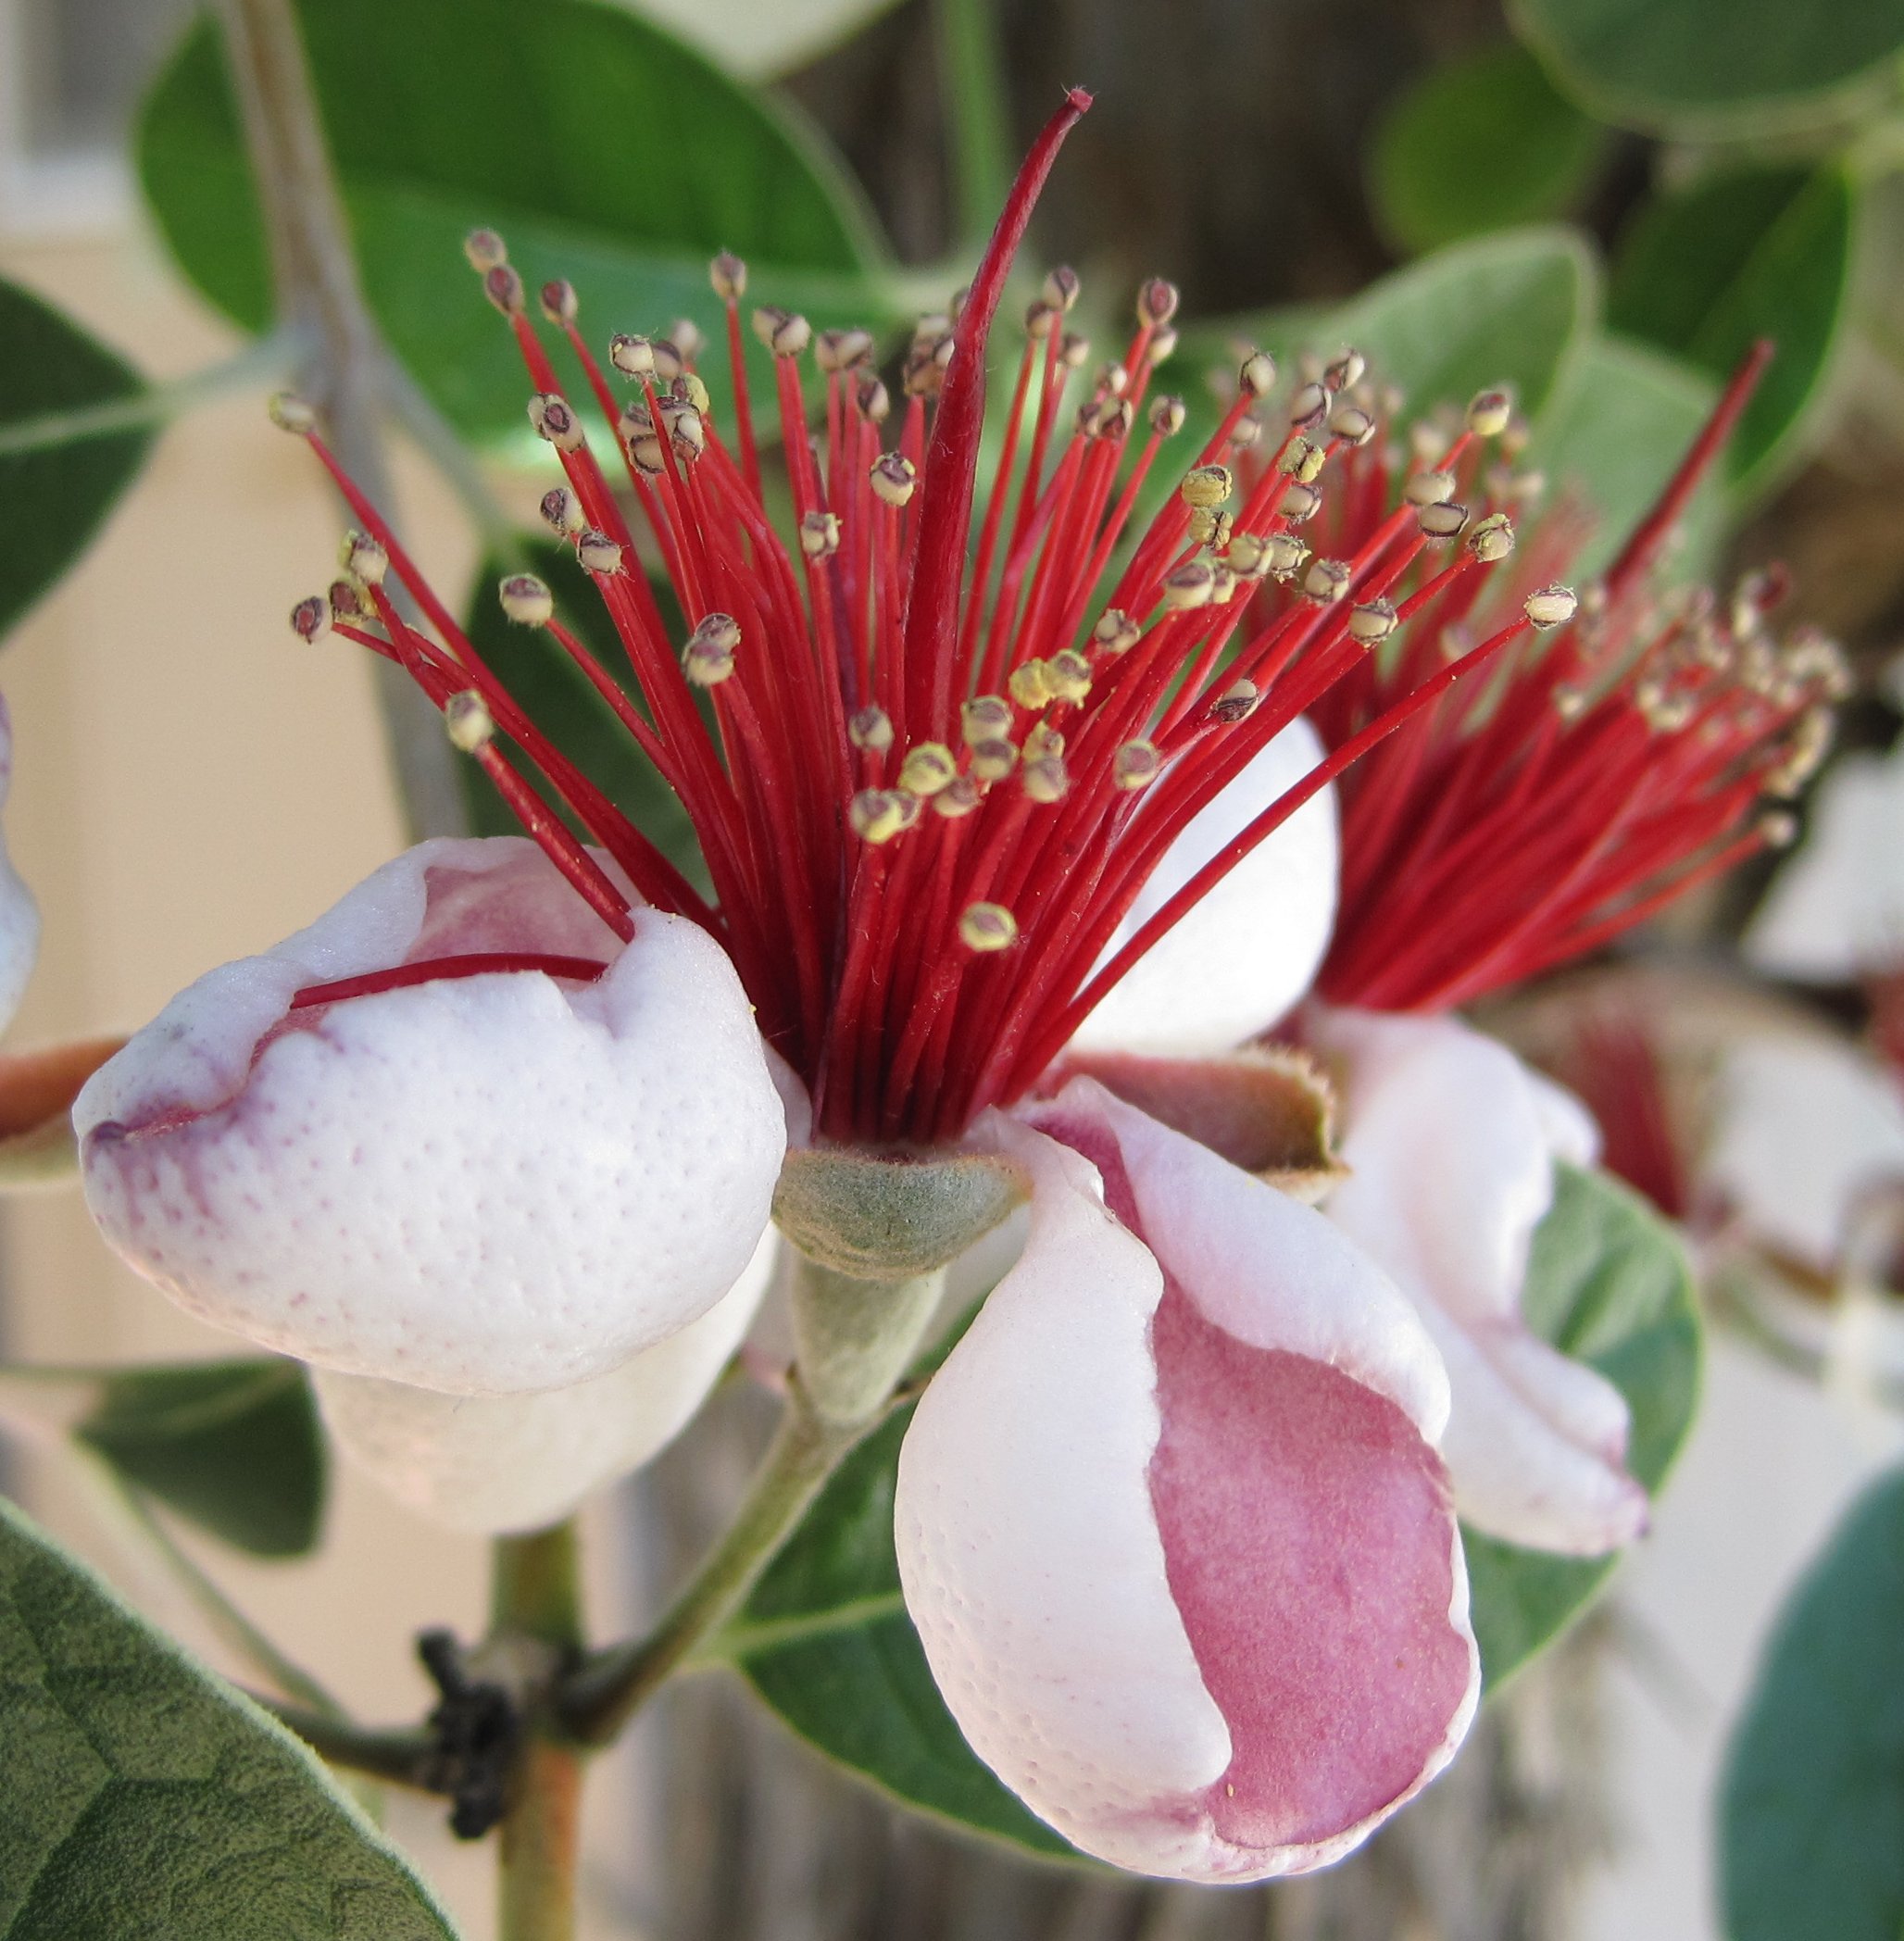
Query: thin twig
{"type": "Point", "coordinates": [400, 1756]}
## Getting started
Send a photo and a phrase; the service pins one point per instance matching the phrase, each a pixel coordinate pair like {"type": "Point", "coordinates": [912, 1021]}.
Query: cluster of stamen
{"type": "Point", "coordinates": [932, 760]}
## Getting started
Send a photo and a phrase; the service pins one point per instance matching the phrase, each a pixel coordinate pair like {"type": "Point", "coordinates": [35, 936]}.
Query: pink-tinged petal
{"type": "Point", "coordinates": [19, 915]}
{"type": "Point", "coordinates": [483, 1184]}
{"type": "Point", "coordinates": [1250, 949]}
{"type": "Point", "coordinates": [493, 1464]}
{"type": "Point", "coordinates": [1195, 1595]}
{"type": "Point", "coordinates": [1450, 1147]}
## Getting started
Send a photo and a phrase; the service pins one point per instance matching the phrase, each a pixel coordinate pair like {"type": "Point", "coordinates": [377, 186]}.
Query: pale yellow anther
{"type": "Point", "coordinates": [1247, 555]}
{"type": "Point", "coordinates": [1489, 414]}
{"type": "Point", "coordinates": [689, 385]}
{"type": "Point", "coordinates": [1073, 351]}
{"type": "Point", "coordinates": [1135, 765]}
{"type": "Point", "coordinates": [484, 250]}
{"type": "Point", "coordinates": [632, 356]}
{"type": "Point", "coordinates": [1042, 739]}
{"type": "Point", "coordinates": [1429, 488]}
{"type": "Point", "coordinates": [708, 659]}
{"type": "Point", "coordinates": [649, 458]}
{"type": "Point", "coordinates": [841, 350]}
{"type": "Point", "coordinates": [928, 768]}
{"type": "Point", "coordinates": [1189, 585]}
{"type": "Point", "coordinates": [983, 719]}
{"type": "Point", "coordinates": [1158, 301]}
{"type": "Point", "coordinates": [993, 761]}
{"type": "Point", "coordinates": [550, 414]}
{"type": "Point", "coordinates": [686, 340]}
{"type": "Point", "coordinates": [819, 534]}
{"type": "Point", "coordinates": [562, 510]}
{"type": "Point", "coordinates": [1114, 377]}
{"type": "Point", "coordinates": [1162, 346]}
{"type": "Point", "coordinates": [1351, 425]}
{"type": "Point", "coordinates": [364, 557]}
{"type": "Point", "coordinates": [1294, 456]}
{"type": "Point", "coordinates": [1245, 434]}
{"type": "Point", "coordinates": [1166, 416]}
{"type": "Point", "coordinates": [1284, 555]}
{"type": "Point", "coordinates": [1346, 371]}
{"type": "Point", "coordinates": [1041, 319]}
{"type": "Point", "coordinates": [1028, 684]}
{"type": "Point", "coordinates": [1299, 502]}
{"type": "Point", "coordinates": [874, 400]}
{"type": "Point", "coordinates": [1237, 703]}
{"type": "Point", "coordinates": [1060, 288]}
{"type": "Point", "coordinates": [1068, 675]}
{"type": "Point", "coordinates": [467, 718]}
{"type": "Point", "coordinates": [559, 303]}
{"type": "Point", "coordinates": [503, 286]}
{"type": "Point", "coordinates": [729, 276]}
{"type": "Point", "coordinates": [1207, 485]}
{"type": "Point", "coordinates": [1551, 607]}
{"type": "Point", "coordinates": [871, 730]}
{"type": "Point", "coordinates": [1258, 374]}
{"type": "Point", "coordinates": [289, 413]}
{"type": "Point", "coordinates": [958, 797]}
{"type": "Point", "coordinates": [1309, 406]}
{"type": "Point", "coordinates": [598, 553]}
{"type": "Point", "coordinates": [1224, 581]}
{"type": "Point", "coordinates": [526, 600]}
{"type": "Point", "coordinates": [1044, 779]}
{"type": "Point", "coordinates": [1492, 538]}
{"type": "Point", "coordinates": [987, 926]}
{"type": "Point", "coordinates": [1211, 529]}
{"type": "Point", "coordinates": [877, 814]}
{"type": "Point", "coordinates": [1327, 580]}
{"type": "Point", "coordinates": [1373, 620]}
{"type": "Point", "coordinates": [1115, 632]}
{"type": "Point", "coordinates": [1442, 520]}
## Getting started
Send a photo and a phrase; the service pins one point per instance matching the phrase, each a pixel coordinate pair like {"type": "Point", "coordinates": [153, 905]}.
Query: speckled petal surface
{"type": "Point", "coordinates": [483, 1184]}
{"type": "Point", "coordinates": [1250, 949]}
{"type": "Point", "coordinates": [494, 1464]}
{"type": "Point", "coordinates": [1199, 1602]}
{"type": "Point", "coordinates": [1450, 1143]}
{"type": "Point", "coordinates": [19, 915]}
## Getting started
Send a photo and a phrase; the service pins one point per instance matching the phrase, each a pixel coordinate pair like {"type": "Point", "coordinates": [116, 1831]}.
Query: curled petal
{"type": "Point", "coordinates": [493, 1464]}
{"type": "Point", "coordinates": [19, 915]}
{"type": "Point", "coordinates": [1179, 1550]}
{"type": "Point", "coordinates": [482, 1184]}
{"type": "Point", "coordinates": [1451, 1145]}
{"type": "Point", "coordinates": [1246, 954]}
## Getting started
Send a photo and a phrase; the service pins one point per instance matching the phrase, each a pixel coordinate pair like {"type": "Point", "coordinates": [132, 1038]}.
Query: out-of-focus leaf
{"type": "Point", "coordinates": [59, 474]}
{"type": "Point", "coordinates": [560, 700]}
{"type": "Point", "coordinates": [1812, 1819]}
{"type": "Point", "coordinates": [1616, 440]}
{"type": "Point", "coordinates": [145, 1799]}
{"type": "Point", "coordinates": [1752, 253]}
{"type": "Point", "coordinates": [1609, 1283]}
{"type": "Point", "coordinates": [603, 150]}
{"type": "Point", "coordinates": [1480, 145]}
{"type": "Point", "coordinates": [1714, 67]}
{"type": "Point", "coordinates": [233, 1445]}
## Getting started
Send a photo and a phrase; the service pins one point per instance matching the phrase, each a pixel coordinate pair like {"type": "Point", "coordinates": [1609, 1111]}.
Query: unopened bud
{"type": "Point", "coordinates": [729, 276]}
{"type": "Point", "coordinates": [289, 413]}
{"type": "Point", "coordinates": [526, 600]}
{"type": "Point", "coordinates": [1115, 632]}
{"type": "Point", "coordinates": [927, 769]}
{"type": "Point", "coordinates": [871, 730]}
{"type": "Point", "coordinates": [559, 303]}
{"type": "Point", "coordinates": [1327, 580]}
{"type": "Point", "coordinates": [365, 557]}
{"type": "Point", "coordinates": [1068, 675]}
{"type": "Point", "coordinates": [1257, 375]}
{"type": "Point", "coordinates": [310, 620]}
{"type": "Point", "coordinates": [1443, 519]}
{"type": "Point", "coordinates": [1207, 485]}
{"type": "Point", "coordinates": [1551, 607]}
{"type": "Point", "coordinates": [712, 642]}
{"type": "Point", "coordinates": [1489, 413]}
{"type": "Point", "coordinates": [550, 413]}
{"type": "Point", "coordinates": [468, 720]}
{"type": "Point", "coordinates": [1492, 538]}
{"type": "Point", "coordinates": [632, 356]}
{"type": "Point", "coordinates": [1188, 585]}
{"type": "Point", "coordinates": [597, 552]}
{"type": "Point", "coordinates": [819, 534]}
{"type": "Point", "coordinates": [1371, 621]}
{"type": "Point", "coordinates": [987, 926]}
{"type": "Point", "coordinates": [1135, 765]}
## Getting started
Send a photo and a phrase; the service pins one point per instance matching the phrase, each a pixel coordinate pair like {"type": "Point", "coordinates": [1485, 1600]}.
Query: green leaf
{"type": "Point", "coordinates": [603, 149]}
{"type": "Point", "coordinates": [562, 701]}
{"type": "Point", "coordinates": [1811, 1817]}
{"type": "Point", "coordinates": [1749, 254]}
{"type": "Point", "coordinates": [1480, 145]}
{"type": "Point", "coordinates": [825, 1639]}
{"type": "Point", "coordinates": [63, 461]}
{"type": "Point", "coordinates": [1616, 440]}
{"type": "Point", "coordinates": [1607, 1282]}
{"type": "Point", "coordinates": [1717, 66]}
{"type": "Point", "coordinates": [144, 1798]}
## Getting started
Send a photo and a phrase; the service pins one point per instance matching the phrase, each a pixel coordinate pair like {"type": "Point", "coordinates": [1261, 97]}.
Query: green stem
{"type": "Point", "coordinates": [973, 88]}
{"type": "Point", "coordinates": [535, 1594]}
{"type": "Point", "coordinates": [271, 358]}
{"type": "Point", "coordinates": [599, 1700]}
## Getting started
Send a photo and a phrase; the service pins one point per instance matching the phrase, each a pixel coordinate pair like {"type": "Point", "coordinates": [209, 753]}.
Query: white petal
{"type": "Point", "coordinates": [19, 915]}
{"type": "Point", "coordinates": [1802, 1128]}
{"type": "Point", "coordinates": [1028, 1549]}
{"type": "Point", "coordinates": [486, 1184]}
{"type": "Point", "coordinates": [1836, 907]}
{"type": "Point", "coordinates": [1450, 1148]}
{"type": "Point", "coordinates": [493, 1464]}
{"type": "Point", "coordinates": [1250, 949]}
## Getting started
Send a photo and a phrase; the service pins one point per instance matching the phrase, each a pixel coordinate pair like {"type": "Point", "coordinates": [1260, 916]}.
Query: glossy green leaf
{"type": "Point", "coordinates": [1812, 1819]}
{"type": "Point", "coordinates": [1609, 1283]}
{"type": "Point", "coordinates": [561, 701]}
{"type": "Point", "coordinates": [1480, 145]}
{"type": "Point", "coordinates": [1614, 442]}
{"type": "Point", "coordinates": [1752, 253]}
{"type": "Point", "coordinates": [146, 1801]}
{"type": "Point", "coordinates": [62, 459]}
{"type": "Point", "coordinates": [1715, 67]}
{"type": "Point", "coordinates": [826, 1642]}
{"type": "Point", "coordinates": [603, 149]}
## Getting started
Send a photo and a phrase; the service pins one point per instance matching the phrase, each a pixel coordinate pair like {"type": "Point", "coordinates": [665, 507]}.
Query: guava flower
{"type": "Point", "coordinates": [508, 1120]}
